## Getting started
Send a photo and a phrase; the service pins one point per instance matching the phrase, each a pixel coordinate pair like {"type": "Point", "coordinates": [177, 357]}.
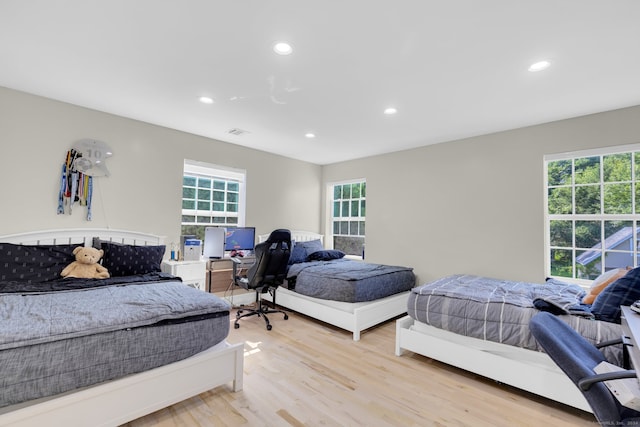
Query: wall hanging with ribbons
{"type": "Point", "coordinates": [83, 162]}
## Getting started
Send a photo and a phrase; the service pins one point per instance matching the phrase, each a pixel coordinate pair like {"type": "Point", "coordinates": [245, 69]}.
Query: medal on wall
{"type": "Point", "coordinates": [83, 162]}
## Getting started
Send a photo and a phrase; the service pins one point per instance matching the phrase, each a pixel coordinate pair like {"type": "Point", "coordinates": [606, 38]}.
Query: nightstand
{"type": "Point", "coordinates": [193, 273]}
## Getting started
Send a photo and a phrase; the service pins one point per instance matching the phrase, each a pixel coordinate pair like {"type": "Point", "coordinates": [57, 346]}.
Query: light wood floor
{"type": "Point", "coordinates": [307, 373]}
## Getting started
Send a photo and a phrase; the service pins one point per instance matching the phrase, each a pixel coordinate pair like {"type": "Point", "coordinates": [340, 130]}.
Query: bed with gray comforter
{"type": "Point", "coordinates": [72, 333]}
{"type": "Point", "coordinates": [348, 280]}
{"type": "Point", "coordinates": [500, 310]}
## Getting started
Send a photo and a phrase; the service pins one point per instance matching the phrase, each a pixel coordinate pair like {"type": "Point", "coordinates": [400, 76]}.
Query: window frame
{"type": "Point", "coordinates": [330, 188]}
{"type": "Point", "coordinates": [601, 216]}
{"type": "Point", "coordinates": [220, 173]}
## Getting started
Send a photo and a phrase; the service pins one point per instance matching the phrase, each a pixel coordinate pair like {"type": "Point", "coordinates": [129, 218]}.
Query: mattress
{"type": "Point", "coordinates": [346, 307]}
{"type": "Point", "coordinates": [349, 281]}
{"type": "Point", "coordinates": [500, 310]}
{"type": "Point", "coordinates": [53, 342]}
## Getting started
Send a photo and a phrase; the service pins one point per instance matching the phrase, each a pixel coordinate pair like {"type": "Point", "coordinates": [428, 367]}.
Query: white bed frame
{"type": "Point", "coordinates": [353, 317]}
{"type": "Point", "coordinates": [528, 370]}
{"type": "Point", "coordinates": [116, 402]}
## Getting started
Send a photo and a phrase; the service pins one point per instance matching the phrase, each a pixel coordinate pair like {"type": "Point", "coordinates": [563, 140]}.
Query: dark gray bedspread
{"type": "Point", "coordinates": [350, 281]}
{"type": "Point", "coordinates": [54, 342]}
{"type": "Point", "coordinates": [38, 318]}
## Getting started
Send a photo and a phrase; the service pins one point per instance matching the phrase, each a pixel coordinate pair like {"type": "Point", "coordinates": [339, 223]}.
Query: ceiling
{"type": "Point", "coordinates": [452, 69]}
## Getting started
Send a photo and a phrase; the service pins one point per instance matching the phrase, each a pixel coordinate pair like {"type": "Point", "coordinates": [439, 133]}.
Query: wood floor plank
{"type": "Point", "coordinates": [307, 373]}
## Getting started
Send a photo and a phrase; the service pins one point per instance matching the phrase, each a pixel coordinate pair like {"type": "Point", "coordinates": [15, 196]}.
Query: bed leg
{"type": "Point", "coordinates": [402, 323]}
{"type": "Point", "coordinates": [239, 368]}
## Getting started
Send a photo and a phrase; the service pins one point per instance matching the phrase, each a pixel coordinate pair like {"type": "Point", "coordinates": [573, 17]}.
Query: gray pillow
{"type": "Point", "coordinates": [311, 246]}
{"type": "Point", "coordinates": [298, 254]}
{"type": "Point", "coordinates": [301, 250]}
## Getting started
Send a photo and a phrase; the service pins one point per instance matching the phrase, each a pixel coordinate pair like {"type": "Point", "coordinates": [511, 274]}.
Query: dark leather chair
{"type": "Point", "coordinates": [265, 275]}
{"type": "Point", "coordinates": [577, 357]}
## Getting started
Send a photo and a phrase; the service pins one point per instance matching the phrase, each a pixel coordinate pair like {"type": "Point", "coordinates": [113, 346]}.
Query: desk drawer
{"type": "Point", "coordinates": [219, 280]}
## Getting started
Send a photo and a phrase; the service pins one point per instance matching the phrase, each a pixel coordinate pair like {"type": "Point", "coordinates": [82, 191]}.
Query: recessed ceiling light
{"type": "Point", "coordinates": [282, 48]}
{"type": "Point", "coordinates": [539, 66]}
{"type": "Point", "coordinates": [206, 100]}
{"type": "Point", "coordinates": [389, 111]}
{"type": "Point", "coordinates": [310, 135]}
{"type": "Point", "coordinates": [237, 131]}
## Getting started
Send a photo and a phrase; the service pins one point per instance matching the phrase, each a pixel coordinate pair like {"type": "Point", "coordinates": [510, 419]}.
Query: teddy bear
{"type": "Point", "coordinates": [86, 264]}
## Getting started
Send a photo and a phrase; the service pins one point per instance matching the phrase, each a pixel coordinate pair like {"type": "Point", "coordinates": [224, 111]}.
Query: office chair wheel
{"type": "Point", "coordinates": [286, 317]}
{"type": "Point", "coordinates": [269, 327]}
{"type": "Point", "coordinates": [236, 325]}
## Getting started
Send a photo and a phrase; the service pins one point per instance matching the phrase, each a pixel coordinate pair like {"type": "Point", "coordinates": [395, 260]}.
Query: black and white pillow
{"type": "Point", "coordinates": [34, 263]}
{"type": "Point", "coordinates": [128, 260]}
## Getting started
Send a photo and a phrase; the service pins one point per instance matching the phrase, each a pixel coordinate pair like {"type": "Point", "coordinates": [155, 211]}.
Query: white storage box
{"type": "Point", "coordinates": [192, 250]}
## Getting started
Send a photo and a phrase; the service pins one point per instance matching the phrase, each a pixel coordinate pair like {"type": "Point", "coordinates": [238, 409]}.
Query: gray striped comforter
{"type": "Point", "coordinates": [499, 310]}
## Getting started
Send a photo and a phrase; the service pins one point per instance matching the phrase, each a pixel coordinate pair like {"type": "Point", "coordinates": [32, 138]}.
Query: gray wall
{"type": "Point", "coordinates": [475, 205]}
{"type": "Point", "coordinates": [468, 206]}
{"type": "Point", "coordinates": [144, 190]}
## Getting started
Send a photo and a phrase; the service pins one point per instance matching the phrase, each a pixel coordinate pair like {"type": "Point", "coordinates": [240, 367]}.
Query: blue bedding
{"type": "Point", "coordinates": [76, 284]}
{"type": "Point", "coordinates": [349, 281]}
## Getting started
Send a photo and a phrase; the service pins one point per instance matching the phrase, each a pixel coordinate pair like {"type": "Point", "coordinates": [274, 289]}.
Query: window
{"type": "Point", "coordinates": [348, 204]}
{"type": "Point", "coordinates": [592, 211]}
{"type": "Point", "coordinates": [211, 196]}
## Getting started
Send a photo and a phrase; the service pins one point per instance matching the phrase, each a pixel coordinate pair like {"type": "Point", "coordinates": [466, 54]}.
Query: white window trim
{"type": "Point", "coordinates": [211, 170]}
{"type": "Point", "coordinates": [547, 217]}
{"type": "Point", "coordinates": [329, 208]}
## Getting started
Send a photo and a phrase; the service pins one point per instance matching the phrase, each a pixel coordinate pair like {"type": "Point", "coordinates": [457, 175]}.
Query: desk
{"type": "Point", "coordinates": [220, 273]}
{"type": "Point", "coordinates": [631, 330]}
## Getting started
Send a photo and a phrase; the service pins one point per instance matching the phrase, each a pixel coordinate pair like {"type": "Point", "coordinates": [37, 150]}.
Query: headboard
{"type": "Point", "coordinates": [82, 235]}
{"type": "Point", "coordinates": [298, 236]}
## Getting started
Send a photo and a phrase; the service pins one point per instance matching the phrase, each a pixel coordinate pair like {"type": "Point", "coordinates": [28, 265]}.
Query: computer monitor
{"type": "Point", "coordinates": [240, 239]}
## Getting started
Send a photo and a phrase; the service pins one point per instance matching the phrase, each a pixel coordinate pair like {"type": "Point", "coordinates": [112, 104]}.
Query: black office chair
{"type": "Point", "coordinates": [577, 357]}
{"type": "Point", "coordinates": [266, 274]}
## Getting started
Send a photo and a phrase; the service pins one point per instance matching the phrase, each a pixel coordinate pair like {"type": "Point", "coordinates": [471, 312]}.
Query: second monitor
{"type": "Point", "coordinates": [240, 239]}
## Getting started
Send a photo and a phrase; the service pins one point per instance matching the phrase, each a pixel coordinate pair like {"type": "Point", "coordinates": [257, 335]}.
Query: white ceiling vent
{"type": "Point", "coordinates": [236, 131]}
